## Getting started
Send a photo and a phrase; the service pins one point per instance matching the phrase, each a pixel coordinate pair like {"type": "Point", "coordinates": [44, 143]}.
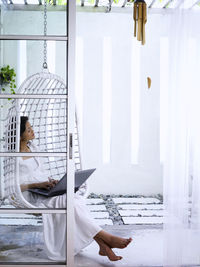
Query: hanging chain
{"type": "Point", "coordinates": [45, 33]}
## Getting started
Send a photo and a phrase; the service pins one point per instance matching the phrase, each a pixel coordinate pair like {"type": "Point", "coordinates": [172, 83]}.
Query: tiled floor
{"type": "Point", "coordinates": [137, 217]}
{"type": "Point", "coordinates": [138, 200]}
{"type": "Point", "coordinates": [25, 244]}
{"type": "Point", "coordinates": [131, 210]}
{"type": "Point", "coordinates": [106, 211]}
{"type": "Point", "coordinates": [146, 248]}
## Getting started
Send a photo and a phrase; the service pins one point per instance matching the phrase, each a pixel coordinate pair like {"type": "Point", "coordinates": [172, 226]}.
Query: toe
{"type": "Point", "coordinates": [117, 258]}
{"type": "Point", "coordinates": [129, 240]}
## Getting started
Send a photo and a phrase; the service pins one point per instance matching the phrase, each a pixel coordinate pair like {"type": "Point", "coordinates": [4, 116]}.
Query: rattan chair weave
{"type": "Point", "coordinates": [49, 120]}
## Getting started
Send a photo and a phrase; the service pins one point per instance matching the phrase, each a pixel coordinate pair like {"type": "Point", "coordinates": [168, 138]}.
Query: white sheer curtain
{"type": "Point", "coordinates": [182, 162]}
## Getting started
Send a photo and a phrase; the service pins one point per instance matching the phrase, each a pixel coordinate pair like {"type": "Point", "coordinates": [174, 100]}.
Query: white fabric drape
{"type": "Point", "coordinates": [181, 166]}
{"type": "Point", "coordinates": [54, 225]}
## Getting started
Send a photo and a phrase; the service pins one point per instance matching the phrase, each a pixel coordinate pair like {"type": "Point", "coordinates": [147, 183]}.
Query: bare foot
{"type": "Point", "coordinates": [119, 242]}
{"type": "Point", "coordinates": [105, 250]}
{"type": "Point", "coordinates": [113, 241]}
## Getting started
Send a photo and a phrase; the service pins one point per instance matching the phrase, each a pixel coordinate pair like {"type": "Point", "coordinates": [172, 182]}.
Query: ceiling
{"type": "Point", "coordinates": [109, 4]}
{"type": "Point", "coordinates": [150, 3]}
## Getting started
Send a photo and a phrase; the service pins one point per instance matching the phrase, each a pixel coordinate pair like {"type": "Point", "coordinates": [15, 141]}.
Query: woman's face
{"type": "Point", "coordinates": [28, 134]}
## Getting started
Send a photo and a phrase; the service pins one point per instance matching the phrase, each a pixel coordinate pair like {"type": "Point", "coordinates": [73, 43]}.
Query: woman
{"type": "Point", "coordinates": [33, 175]}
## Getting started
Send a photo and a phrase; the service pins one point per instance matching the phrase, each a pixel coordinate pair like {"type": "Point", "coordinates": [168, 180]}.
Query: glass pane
{"type": "Point", "coordinates": [22, 238]}
{"type": "Point", "coordinates": [21, 177]}
{"type": "Point", "coordinates": [42, 122]}
{"type": "Point", "coordinates": [19, 18]}
{"type": "Point", "coordinates": [25, 60]}
{"type": "Point", "coordinates": [120, 129]}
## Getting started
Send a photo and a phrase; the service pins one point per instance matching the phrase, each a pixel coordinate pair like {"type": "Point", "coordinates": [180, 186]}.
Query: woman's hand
{"type": "Point", "coordinates": [54, 182]}
{"type": "Point", "coordinates": [45, 185]}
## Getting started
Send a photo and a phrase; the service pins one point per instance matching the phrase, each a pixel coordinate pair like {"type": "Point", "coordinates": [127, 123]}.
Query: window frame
{"type": "Point", "coordinates": [70, 73]}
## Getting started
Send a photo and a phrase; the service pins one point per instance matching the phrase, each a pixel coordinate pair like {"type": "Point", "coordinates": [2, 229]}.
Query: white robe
{"type": "Point", "coordinates": [54, 225]}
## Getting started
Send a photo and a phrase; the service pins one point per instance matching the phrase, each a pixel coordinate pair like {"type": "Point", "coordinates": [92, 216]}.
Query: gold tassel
{"type": "Point", "coordinates": [144, 21]}
{"type": "Point", "coordinates": [149, 82]}
{"type": "Point", "coordinates": [140, 19]}
{"type": "Point", "coordinates": [135, 17]}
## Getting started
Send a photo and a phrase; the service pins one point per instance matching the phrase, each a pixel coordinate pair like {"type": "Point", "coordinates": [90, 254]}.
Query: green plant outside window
{"type": "Point", "coordinates": [7, 77]}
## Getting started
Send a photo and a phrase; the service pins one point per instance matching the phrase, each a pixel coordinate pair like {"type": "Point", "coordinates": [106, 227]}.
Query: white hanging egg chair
{"type": "Point", "coordinates": [49, 119]}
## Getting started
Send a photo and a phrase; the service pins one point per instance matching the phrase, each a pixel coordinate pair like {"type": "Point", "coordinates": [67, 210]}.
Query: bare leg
{"type": "Point", "coordinates": [105, 250]}
{"type": "Point", "coordinates": [113, 241]}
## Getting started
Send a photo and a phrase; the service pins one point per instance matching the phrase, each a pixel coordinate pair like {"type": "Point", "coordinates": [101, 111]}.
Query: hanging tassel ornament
{"type": "Point", "coordinates": [140, 19]}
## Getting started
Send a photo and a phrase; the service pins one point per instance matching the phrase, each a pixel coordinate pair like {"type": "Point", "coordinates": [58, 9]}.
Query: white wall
{"type": "Point", "coordinates": [119, 175]}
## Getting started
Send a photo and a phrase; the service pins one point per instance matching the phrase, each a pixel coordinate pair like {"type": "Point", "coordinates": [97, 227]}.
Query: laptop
{"type": "Point", "coordinates": [60, 187]}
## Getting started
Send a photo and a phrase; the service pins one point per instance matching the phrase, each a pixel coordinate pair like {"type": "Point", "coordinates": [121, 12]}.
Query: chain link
{"type": "Point", "coordinates": [45, 33]}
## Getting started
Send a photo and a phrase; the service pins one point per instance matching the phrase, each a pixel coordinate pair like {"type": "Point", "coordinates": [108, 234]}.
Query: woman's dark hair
{"type": "Point", "coordinates": [23, 120]}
